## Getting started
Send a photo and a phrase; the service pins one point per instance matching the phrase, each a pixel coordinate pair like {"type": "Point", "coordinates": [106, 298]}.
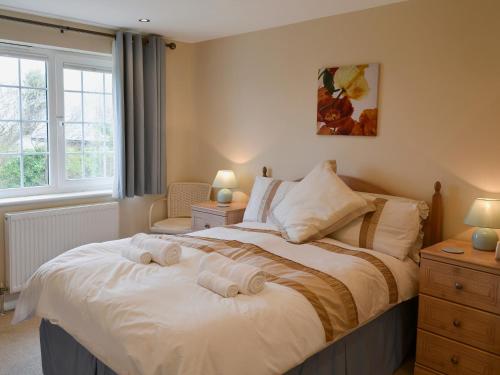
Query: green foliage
{"type": "Point", "coordinates": [35, 169]}
{"type": "Point", "coordinates": [328, 81]}
{"type": "Point", "coordinates": [74, 166]}
{"type": "Point", "coordinates": [10, 173]}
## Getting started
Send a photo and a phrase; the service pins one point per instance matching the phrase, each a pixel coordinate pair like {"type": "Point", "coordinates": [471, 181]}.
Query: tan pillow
{"type": "Point", "coordinates": [394, 228]}
{"type": "Point", "coordinates": [318, 205]}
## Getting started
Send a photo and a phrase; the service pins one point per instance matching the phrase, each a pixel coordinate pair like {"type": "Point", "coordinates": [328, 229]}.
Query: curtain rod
{"type": "Point", "coordinates": [63, 28]}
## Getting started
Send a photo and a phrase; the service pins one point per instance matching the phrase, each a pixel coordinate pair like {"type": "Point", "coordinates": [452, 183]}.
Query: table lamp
{"type": "Point", "coordinates": [485, 214]}
{"type": "Point", "coordinates": [225, 180]}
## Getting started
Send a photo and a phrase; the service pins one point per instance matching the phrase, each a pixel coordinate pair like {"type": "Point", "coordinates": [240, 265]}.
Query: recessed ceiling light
{"type": "Point", "coordinates": [144, 20]}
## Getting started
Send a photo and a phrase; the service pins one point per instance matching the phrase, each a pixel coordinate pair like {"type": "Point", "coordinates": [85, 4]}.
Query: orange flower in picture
{"type": "Point", "coordinates": [347, 100]}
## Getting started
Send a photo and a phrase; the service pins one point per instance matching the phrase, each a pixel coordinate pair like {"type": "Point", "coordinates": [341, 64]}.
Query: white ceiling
{"type": "Point", "coordinates": [191, 20]}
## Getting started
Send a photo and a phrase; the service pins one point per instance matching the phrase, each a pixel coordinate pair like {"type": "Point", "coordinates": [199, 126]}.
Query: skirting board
{"type": "Point", "coordinates": [9, 301]}
{"type": "Point", "coordinates": [10, 305]}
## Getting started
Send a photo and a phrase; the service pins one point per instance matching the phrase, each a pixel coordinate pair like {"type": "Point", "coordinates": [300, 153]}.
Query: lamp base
{"type": "Point", "coordinates": [484, 239]}
{"type": "Point", "coordinates": [224, 197]}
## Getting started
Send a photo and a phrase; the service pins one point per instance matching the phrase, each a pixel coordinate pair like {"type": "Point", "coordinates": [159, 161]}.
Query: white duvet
{"type": "Point", "coordinates": [147, 319]}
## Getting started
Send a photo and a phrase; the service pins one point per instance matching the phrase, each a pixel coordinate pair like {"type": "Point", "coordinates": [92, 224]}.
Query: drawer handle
{"type": "Point", "coordinates": [207, 226]}
{"type": "Point", "coordinates": [459, 286]}
{"type": "Point", "coordinates": [457, 323]}
{"type": "Point", "coordinates": [454, 359]}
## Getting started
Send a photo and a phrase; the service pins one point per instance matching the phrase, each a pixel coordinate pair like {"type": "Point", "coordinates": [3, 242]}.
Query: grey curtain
{"type": "Point", "coordinates": [139, 88]}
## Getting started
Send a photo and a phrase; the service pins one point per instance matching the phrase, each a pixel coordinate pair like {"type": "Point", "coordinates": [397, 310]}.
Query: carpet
{"type": "Point", "coordinates": [19, 347]}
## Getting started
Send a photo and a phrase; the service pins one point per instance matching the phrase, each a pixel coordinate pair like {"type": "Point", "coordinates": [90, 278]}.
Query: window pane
{"type": "Point", "coordinates": [10, 136]}
{"type": "Point", "coordinates": [72, 79]}
{"type": "Point", "coordinates": [10, 172]}
{"type": "Point", "coordinates": [35, 137]}
{"type": "Point", "coordinates": [108, 83]}
{"type": "Point", "coordinates": [9, 72]}
{"type": "Point", "coordinates": [93, 81]}
{"type": "Point", "coordinates": [108, 109]}
{"type": "Point", "coordinates": [33, 73]}
{"type": "Point", "coordinates": [34, 104]}
{"type": "Point", "coordinates": [72, 106]}
{"type": "Point", "coordinates": [35, 170]}
{"type": "Point", "coordinates": [73, 166]}
{"type": "Point", "coordinates": [94, 165]}
{"type": "Point", "coordinates": [110, 164]}
{"type": "Point", "coordinates": [108, 137]}
{"type": "Point", "coordinates": [93, 110]}
{"type": "Point", "coordinates": [73, 136]}
{"type": "Point", "coordinates": [93, 137]}
{"type": "Point", "coordinates": [9, 103]}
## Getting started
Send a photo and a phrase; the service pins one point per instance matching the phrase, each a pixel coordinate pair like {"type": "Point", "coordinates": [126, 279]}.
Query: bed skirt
{"type": "Point", "coordinates": [377, 348]}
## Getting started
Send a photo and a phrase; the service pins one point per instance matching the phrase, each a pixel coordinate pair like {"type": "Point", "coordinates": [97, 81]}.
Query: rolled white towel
{"type": "Point", "coordinates": [136, 254]}
{"type": "Point", "coordinates": [163, 252]}
{"type": "Point", "coordinates": [218, 284]}
{"type": "Point", "coordinates": [250, 279]}
{"type": "Point", "coordinates": [138, 238]}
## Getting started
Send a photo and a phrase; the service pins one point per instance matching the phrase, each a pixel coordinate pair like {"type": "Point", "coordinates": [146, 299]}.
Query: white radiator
{"type": "Point", "coordinates": [34, 237]}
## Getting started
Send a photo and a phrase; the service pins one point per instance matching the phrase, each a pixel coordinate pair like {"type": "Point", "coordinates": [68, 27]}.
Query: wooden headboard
{"type": "Point", "coordinates": [433, 226]}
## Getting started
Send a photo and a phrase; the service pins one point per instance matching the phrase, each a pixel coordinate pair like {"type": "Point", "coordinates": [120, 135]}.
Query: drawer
{"type": "Point", "coordinates": [202, 220]}
{"type": "Point", "coordinates": [451, 357]}
{"type": "Point", "coordinates": [458, 284]}
{"type": "Point", "coordinates": [465, 324]}
{"type": "Point", "coordinates": [419, 370]}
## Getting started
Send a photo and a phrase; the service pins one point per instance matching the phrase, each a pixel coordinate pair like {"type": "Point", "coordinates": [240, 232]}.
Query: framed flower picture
{"type": "Point", "coordinates": [347, 100]}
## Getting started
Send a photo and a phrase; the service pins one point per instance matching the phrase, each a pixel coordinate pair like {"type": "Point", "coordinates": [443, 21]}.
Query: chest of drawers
{"type": "Point", "coordinates": [459, 312]}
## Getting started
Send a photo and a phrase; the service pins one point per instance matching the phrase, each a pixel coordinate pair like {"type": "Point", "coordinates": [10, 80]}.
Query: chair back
{"type": "Point", "coordinates": [181, 195]}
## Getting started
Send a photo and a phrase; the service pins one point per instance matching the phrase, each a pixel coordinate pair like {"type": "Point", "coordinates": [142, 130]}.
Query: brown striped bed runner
{"type": "Point", "coordinates": [392, 286]}
{"type": "Point", "coordinates": [331, 299]}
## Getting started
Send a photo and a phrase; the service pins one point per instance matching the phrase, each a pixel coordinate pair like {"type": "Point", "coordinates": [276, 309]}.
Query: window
{"type": "Point", "coordinates": [56, 121]}
{"type": "Point", "coordinates": [23, 123]}
{"type": "Point", "coordinates": [88, 119]}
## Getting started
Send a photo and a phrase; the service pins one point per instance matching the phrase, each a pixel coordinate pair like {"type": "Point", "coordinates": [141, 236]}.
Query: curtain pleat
{"type": "Point", "coordinates": [140, 115]}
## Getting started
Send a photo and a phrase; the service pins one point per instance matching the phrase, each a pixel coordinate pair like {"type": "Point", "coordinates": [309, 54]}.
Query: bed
{"type": "Point", "coordinates": [326, 306]}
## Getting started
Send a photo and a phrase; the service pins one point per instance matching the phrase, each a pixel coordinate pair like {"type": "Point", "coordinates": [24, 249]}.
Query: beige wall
{"type": "Point", "coordinates": [439, 103]}
{"type": "Point", "coordinates": [179, 75]}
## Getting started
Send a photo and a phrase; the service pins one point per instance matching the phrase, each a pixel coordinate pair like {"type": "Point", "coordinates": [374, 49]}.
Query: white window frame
{"type": "Point", "coordinates": [56, 60]}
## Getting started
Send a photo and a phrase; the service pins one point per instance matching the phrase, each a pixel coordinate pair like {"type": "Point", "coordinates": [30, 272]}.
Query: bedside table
{"type": "Point", "coordinates": [208, 215]}
{"type": "Point", "coordinates": [459, 311]}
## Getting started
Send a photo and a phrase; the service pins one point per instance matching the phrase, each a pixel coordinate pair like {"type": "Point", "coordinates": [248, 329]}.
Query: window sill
{"type": "Point", "coordinates": [46, 198]}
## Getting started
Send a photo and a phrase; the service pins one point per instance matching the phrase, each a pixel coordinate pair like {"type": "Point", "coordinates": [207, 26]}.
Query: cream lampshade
{"type": "Point", "coordinates": [485, 214]}
{"type": "Point", "coordinates": [225, 180]}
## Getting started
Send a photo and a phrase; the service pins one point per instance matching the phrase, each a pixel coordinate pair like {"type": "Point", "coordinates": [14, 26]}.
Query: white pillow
{"type": "Point", "coordinates": [317, 206]}
{"type": "Point", "coordinates": [394, 228]}
{"type": "Point", "coordinates": [266, 194]}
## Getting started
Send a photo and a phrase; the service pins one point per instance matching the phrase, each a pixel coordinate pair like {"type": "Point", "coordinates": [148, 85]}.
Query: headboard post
{"type": "Point", "coordinates": [264, 171]}
{"type": "Point", "coordinates": [434, 227]}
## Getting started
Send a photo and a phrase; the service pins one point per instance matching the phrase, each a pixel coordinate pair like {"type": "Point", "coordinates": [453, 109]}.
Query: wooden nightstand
{"type": "Point", "coordinates": [459, 311]}
{"type": "Point", "coordinates": [208, 215]}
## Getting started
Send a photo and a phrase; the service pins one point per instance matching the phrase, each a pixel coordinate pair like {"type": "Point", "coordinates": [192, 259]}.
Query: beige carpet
{"type": "Point", "coordinates": [20, 349]}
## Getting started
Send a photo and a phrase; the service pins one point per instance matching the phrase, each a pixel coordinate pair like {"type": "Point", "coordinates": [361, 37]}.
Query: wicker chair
{"type": "Point", "coordinates": [180, 197]}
